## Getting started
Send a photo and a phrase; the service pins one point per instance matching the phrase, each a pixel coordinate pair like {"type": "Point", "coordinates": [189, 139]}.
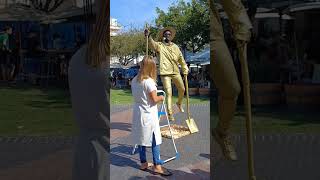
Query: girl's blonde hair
{"type": "Point", "coordinates": [148, 69]}
{"type": "Point", "coordinates": [99, 43]}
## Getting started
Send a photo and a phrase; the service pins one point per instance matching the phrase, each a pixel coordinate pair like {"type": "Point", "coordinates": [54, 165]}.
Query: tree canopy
{"type": "Point", "coordinates": [128, 46]}
{"type": "Point", "coordinates": [191, 20]}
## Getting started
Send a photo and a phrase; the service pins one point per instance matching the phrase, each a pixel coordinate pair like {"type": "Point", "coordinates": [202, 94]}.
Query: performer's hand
{"type": "Point", "coordinates": [146, 32]}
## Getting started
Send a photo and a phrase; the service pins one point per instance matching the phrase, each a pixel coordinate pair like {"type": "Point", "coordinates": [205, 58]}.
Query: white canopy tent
{"type": "Point", "coordinates": [303, 7]}
{"type": "Point", "coordinates": [272, 15]}
{"type": "Point", "coordinates": [263, 15]}
{"type": "Point", "coordinates": [200, 58]}
{"type": "Point", "coordinates": [20, 12]}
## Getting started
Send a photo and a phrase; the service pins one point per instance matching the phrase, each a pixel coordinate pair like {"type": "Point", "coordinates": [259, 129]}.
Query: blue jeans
{"type": "Point", "coordinates": [155, 153]}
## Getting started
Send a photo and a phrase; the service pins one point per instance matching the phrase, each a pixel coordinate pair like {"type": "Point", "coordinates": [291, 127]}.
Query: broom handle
{"type": "Point", "coordinates": [247, 103]}
{"type": "Point", "coordinates": [187, 94]}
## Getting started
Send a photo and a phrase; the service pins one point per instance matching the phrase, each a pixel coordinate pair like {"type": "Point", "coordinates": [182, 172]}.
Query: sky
{"type": "Point", "coordinates": [135, 13]}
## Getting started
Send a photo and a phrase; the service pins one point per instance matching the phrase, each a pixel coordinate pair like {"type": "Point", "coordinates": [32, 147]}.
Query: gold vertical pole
{"type": "Point", "coordinates": [147, 50]}
{"type": "Point", "coordinates": [242, 46]}
{"type": "Point", "coordinates": [187, 94]}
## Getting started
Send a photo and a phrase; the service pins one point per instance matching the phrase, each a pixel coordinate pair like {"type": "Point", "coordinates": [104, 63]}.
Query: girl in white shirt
{"type": "Point", "coordinates": [145, 123]}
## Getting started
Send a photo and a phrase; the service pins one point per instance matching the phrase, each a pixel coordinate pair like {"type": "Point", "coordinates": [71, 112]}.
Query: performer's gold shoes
{"type": "Point", "coordinates": [225, 143]}
{"type": "Point", "coordinates": [170, 117]}
{"type": "Point", "coordinates": [180, 107]}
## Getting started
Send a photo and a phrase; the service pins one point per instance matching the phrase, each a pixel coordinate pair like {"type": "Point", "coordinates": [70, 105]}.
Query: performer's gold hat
{"type": "Point", "coordinates": [171, 29]}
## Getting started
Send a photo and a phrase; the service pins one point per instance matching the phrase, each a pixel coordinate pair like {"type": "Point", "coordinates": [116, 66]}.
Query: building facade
{"type": "Point", "coordinates": [115, 27]}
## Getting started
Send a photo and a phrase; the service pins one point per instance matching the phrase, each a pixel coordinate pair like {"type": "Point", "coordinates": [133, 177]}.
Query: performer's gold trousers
{"type": "Point", "coordinates": [223, 74]}
{"type": "Point", "coordinates": [178, 82]}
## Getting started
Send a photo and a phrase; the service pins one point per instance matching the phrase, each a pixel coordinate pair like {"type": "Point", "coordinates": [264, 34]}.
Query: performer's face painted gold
{"type": "Point", "coordinates": [167, 36]}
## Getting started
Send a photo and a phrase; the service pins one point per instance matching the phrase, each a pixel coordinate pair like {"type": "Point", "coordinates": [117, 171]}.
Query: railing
{"type": "Point", "coordinates": [46, 68]}
{"type": "Point", "coordinates": [121, 84]}
{"type": "Point", "coordinates": [38, 69]}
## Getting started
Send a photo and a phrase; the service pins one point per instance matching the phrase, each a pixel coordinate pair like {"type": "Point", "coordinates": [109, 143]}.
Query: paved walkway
{"type": "Point", "coordinates": [277, 157]}
{"type": "Point", "coordinates": [194, 149]}
{"type": "Point", "coordinates": [35, 158]}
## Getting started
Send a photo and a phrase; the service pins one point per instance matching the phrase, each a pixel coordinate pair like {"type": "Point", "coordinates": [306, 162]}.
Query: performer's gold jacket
{"type": "Point", "coordinates": [169, 57]}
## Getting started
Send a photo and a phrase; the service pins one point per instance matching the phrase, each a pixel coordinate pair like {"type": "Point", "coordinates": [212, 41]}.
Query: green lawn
{"type": "Point", "coordinates": [268, 120]}
{"type": "Point", "coordinates": [32, 111]}
{"type": "Point", "coordinates": [120, 96]}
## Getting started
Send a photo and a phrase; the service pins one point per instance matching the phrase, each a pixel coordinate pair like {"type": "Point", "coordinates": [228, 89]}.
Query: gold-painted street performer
{"type": "Point", "coordinates": [223, 71]}
{"type": "Point", "coordinates": [169, 57]}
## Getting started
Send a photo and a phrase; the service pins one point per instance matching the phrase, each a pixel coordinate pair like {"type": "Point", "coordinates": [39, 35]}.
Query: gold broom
{"type": "Point", "coordinates": [242, 46]}
{"type": "Point", "coordinates": [193, 128]}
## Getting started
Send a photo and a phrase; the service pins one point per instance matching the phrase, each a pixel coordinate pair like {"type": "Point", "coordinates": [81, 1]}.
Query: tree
{"type": "Point", "coordinates": [128, 46]}
{"type": "Point", "coordinates": [46, 6]}
{"type": "Point", "coordinates": [191, 21]}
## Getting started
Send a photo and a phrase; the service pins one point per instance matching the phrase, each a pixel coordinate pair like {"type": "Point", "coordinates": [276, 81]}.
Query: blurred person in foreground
{"type": "Point", "coordinates": [89, 88]}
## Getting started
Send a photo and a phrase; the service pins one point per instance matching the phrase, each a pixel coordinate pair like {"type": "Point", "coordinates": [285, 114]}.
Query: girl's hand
{"type": "Point", "coordinates": [161, 98]}
{"type": "Point", "coordinates": [155, 98]}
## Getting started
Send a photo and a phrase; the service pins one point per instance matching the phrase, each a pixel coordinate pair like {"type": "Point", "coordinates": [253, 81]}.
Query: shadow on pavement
{"type": "Point", "coordinates": [123, 161]}
{"type": "Point", "coordinates": [205, 155]}
{"type": "Point", "coordinates": [196, 174]}
{"type": "Point", "coordinates": [121, 156]}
